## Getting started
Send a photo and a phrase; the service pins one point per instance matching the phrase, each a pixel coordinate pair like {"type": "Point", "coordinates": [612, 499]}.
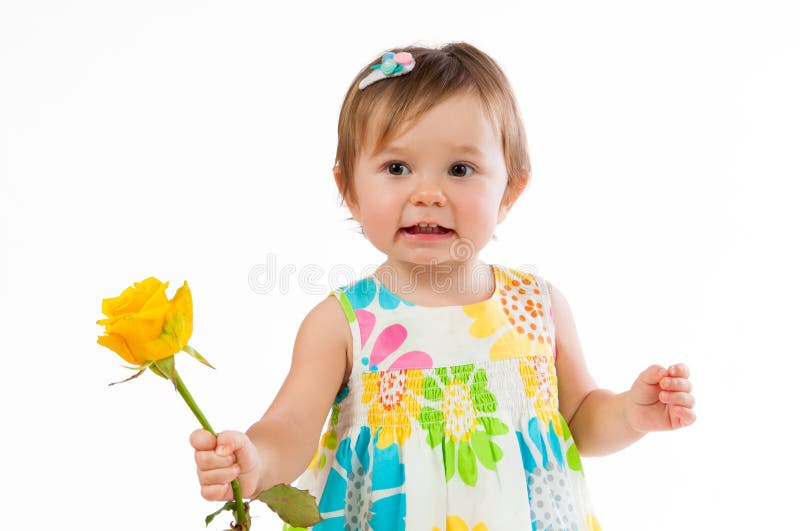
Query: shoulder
{"type": "Point", "coordinates": [326, 324]}
{"type": "Point", "coordinates": [337, 314]}
{"type": "Point", "coordinates": [560, 315]}
{"type": "Point", "coordinates": [317, 369]}
{"type": "Point", "coordinates": [574, 379]}
{"type": "Point", "coordinates": [563, 322]}
{"type": "Point", "coordinates": [322, 342]}
{"type": "Point", "coordinates": [327, 312]}
{"type": "Point", "coordinates": [321, 339]}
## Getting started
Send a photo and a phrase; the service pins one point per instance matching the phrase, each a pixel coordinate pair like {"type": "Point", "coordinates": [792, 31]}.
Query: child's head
{"type": "Point", "coordinates": [394, 109]}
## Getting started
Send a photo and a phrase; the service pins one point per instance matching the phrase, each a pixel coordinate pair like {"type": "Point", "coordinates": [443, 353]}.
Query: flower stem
{"type": "Point", "coordinates": [242, 520]}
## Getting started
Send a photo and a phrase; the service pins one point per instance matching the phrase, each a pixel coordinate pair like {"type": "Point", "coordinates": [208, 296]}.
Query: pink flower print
{"type": "Point", "coordinates": [388, 341]}
{"type": "Point", "coordinates": [366, 322]}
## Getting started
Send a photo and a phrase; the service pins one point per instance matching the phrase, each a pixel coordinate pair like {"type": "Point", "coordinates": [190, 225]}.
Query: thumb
{"type": "Point", "coordinates": [238, 444]}
{"type": "Point", "coordinates": [230, 442]}
{"type": "Point", "coordinates": [653, 374]}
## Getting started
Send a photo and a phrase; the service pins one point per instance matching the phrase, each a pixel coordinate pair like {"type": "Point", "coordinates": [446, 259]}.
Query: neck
{"type": "Point", "coordinates": [435, 284]}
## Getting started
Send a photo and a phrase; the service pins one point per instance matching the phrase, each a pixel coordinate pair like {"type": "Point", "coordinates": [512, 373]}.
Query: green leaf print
{"type": "Point", "coordinates": [462, 372]}
{"type": "Point", "coordinates": [430, 417]}
{"type": "Point", "coordinates": [488, 452]}
{"type": "Point", "coordinates": [431, 389]}
{"type": "Point", "coordinates": [449, 453]}
{"type": "Point", "coordinates": [564, 426]}
{"type": "Point", "coordinates": [432, 420]}
{"type": "Point", "coordinates": [484, 401]}
{"type": "Point", "coordinates": [330, 440]}
{"type": "Point", "coordinates": [435, 435]}
{"type": "Point", "coordinates": [573, 457]}
{"type": "Point", "coordinates": [456, 424]}
{"type": "Point", "coordinates": [467, 465]}
{"type": "Point", "coordinates": [493, 425]}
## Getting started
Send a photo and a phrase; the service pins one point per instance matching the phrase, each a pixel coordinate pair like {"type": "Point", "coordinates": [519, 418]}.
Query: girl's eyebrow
{"type": "Point", "coordinates": [391, 148]}
{"type": "Point", "coordinates": [474, 150]}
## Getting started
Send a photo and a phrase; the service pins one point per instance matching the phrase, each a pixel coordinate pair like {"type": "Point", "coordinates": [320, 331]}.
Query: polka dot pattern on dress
{"type": "Point", "coordinates": [519, 297]}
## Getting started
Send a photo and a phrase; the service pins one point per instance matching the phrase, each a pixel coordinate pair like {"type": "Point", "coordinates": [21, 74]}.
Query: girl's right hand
{"type": "Point", "coordinates": [222, 459]}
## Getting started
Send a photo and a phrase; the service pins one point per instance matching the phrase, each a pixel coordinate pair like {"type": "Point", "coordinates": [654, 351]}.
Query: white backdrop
{"type": "Point", "coordinates": [193, 140]}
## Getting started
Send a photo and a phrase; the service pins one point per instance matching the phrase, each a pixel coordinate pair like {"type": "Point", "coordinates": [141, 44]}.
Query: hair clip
{"type": "Point", "coordinates": [392, 65]}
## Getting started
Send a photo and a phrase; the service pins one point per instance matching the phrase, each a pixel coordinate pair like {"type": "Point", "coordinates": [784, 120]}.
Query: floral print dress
{"type": "Point", "coordinates": [449, 420]}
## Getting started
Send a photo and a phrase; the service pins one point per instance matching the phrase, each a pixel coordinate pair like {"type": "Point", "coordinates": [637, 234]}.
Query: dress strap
{"type": "Point", "coordinates": [547, 302]}
{"type": "Point", "coordinates": [522, 288]}
{"type": "Point", "coordinates": [351, 314]}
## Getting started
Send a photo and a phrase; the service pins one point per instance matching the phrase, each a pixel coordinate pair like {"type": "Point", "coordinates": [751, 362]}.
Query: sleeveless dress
{"type": "Point", "coordinates": [449, 420]}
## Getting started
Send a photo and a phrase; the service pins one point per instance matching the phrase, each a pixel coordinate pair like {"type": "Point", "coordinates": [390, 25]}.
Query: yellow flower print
{"type": "Point", "coordinates": [454, 523]}
{"type": "Point", "coordinates": [328, 440]}
{"type": "Point", "coordinates": [541, 383]}
{"type": "Point", "coordinates": [314, 461]}
{"type": "Point", "coordinates": [393, 403]}
{"type": "Point", "coordinates": [518, 307]}
{"type": "Point", "coordinates": [592, 524]}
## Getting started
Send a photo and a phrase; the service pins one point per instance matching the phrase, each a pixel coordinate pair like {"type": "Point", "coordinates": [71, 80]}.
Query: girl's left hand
{"type": "Point", "coordinates": [661, 399]}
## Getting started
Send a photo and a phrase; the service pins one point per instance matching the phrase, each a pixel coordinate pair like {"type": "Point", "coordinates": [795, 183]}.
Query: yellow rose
{"type": "Point", "coordinates": [143, 326]}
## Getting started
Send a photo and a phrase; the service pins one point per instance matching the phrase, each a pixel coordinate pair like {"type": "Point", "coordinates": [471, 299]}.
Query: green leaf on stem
{"type": "Point", "coordinates": [196, 355]}
{"type": "Point", "coordinates": [167, 369]}
{"type": "Point", "coordinates": [227, 507]}
{"type": "Point", "coordinates": [157, 372]}
{"type": "Point", "coordinates": [296, 507]}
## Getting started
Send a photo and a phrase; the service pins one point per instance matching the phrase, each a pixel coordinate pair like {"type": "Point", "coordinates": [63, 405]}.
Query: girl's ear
{"type": "Point", "coordinates": [351, 205]}
{"type": "Point", "coordinates": [510, 197]}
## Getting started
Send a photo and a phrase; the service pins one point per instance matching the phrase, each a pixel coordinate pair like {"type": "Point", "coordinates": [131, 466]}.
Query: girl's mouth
{"type": "Point", "coordinates": [426, 232]}
{"type": "Point", "coordinates": [426, 229]}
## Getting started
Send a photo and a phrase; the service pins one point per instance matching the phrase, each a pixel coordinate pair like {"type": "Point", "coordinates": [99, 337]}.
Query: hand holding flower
{"type": "Point", "coordinates": [147, 329]}
{"type": "Point", "coordinates": [222, 459]}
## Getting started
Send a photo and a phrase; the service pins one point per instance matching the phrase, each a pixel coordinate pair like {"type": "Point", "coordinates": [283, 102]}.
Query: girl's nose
{"type": "Point", "coordinates": [428, 194]}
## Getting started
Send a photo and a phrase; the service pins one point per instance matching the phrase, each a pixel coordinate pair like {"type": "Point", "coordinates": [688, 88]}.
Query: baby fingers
{"type": "Point", "coordinates": [218, 476]}
{"type": "Point", "coordinates": [679, 369]}
{"type": "Point", "coordinates": [677, 399]}
{"type": "Point", "coordinates": [676, 384]}
{"type": "Point", "coordinates": [209, 460]}
{"type": "Point", "coordinates": [682, 417]}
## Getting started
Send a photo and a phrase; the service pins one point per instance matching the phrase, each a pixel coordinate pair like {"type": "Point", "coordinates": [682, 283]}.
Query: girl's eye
{"type": "Point", "coordinates": [396, 168]}
{"type": "Point", "coordinates": [460, 170]}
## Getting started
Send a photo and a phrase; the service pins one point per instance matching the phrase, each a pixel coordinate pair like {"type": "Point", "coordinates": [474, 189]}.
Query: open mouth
{"type": "Point", "coordinates": [426, 228]}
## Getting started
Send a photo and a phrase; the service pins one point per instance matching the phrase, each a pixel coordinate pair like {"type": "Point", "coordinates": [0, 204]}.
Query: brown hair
{"type": "Point", "coordinates": [438, 74]}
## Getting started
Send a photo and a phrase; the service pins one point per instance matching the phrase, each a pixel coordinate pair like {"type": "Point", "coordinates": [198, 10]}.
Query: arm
{"type": "Point", "coordinates": [286, 437]}
{"type": "Point", "coordinates": [277, 448]}
{"type": "Point", "coordinates": [603, 422]}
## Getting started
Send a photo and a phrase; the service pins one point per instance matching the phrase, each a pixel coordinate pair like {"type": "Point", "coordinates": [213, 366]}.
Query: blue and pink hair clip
{"type": "Point", "coordinates": [392, 65]}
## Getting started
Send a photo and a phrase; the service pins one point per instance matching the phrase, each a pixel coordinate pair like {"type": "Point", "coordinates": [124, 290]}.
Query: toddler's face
{"type": "Point", "coordinates": [430, 174]}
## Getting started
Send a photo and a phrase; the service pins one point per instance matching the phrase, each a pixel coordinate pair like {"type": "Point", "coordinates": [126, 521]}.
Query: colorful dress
{"type": "Point", "coordinates": [449, 420]}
